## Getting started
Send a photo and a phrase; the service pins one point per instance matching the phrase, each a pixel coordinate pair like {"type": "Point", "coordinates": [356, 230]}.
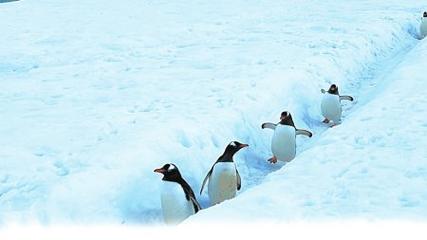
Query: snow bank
{"type": "Point", "coordinates": [96, 94]}
{"type": "Point", "coordinates": [372, 166]}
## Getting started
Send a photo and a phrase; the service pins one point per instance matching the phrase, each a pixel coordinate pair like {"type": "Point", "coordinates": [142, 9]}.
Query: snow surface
{"type": "Point", "coordinates": [96, 94]}
{"type": "Point", "coordinates": [372, 166]}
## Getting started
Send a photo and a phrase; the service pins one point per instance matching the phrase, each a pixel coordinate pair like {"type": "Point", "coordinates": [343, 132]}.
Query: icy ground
{"type": "Point", "coordinates": [96, 94]}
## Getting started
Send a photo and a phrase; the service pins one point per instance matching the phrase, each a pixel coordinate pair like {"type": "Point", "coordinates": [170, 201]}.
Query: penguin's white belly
{"type": "Point", "coordinates": [176, 208]}
{"type": "Point", "coordinates": [331, 107]}
{"type": "Point", "coordinates": [423, 28]}
{"type": "Point", "coordinates": [283, 143]}
{"type": "Point", "coordinates": [222, 182]}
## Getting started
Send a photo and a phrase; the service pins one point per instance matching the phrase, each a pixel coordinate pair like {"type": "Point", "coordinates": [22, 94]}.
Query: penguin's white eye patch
{"type": "Point", "coordinates": [233, 144]}
{"type": "Point", "coordinates": [171, 167]}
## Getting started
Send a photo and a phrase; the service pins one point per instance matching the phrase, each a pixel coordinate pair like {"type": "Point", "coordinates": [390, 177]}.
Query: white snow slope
{"type": "Point", "coordinates": [96, 94]}
{"type": "Point", "coordinates": [373, 166]}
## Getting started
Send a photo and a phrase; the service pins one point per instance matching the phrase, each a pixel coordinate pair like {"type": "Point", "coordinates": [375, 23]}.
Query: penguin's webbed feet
{"type": "Point", "coordinates": [273, 160]}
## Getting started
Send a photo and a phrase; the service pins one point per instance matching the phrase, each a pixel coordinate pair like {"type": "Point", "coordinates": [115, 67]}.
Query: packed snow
{"type": "Point", "coordinates": [97, 94]}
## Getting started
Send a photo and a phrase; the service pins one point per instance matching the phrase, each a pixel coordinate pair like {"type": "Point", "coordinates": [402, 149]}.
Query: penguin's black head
{"type": "Point", "coordinates": [425, 14]}
{"type": "Point", "coordinates": [285, 115]}
{"type": "Point", "coordinates": [333, 89]}
{"type": "Point", "coordinates": [170, 172]}
{"type": "Point", "coordinates": [286, 119]}
{"type": "Point", "coordinates": [234, 147]}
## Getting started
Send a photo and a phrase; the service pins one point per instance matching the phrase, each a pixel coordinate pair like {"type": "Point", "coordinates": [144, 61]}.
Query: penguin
{"type": "Point", "coordinates": [177, 198]}
{"type": "Point", "coordinates": [224, 179]}
{"type": "Point", "coordinates": [283, 143]}
{"type": "Point", "coordinates": [423, 26]}
{"type": "Point", "coordinates": [331, 104]}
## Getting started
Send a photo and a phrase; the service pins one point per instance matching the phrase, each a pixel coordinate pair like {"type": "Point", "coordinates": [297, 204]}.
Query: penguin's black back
{"type": "Point", "coordinates": [189, 194]}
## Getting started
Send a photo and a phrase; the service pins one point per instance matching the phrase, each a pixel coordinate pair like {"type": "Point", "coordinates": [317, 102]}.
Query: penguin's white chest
{"type": "Point", "coordinates": [331, 107]}
{"type": "Point", "coordinates": [222, 182]}
{"type": "Point", "coordinates": [423, 28]}
{"type": "Point", "coordinates": [283, 143]}
{"type": "Point", "coordinates": [176, 208]}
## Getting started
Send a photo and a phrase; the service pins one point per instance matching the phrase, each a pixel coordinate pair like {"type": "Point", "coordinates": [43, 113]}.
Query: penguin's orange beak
{"type": "Point", "coordinates": [243, 146]}
{"type": "Point", "coordinates": [160, 170]}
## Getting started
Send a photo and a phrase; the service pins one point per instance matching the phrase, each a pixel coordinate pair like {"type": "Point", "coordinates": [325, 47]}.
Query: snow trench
{"type": "Point", "coordinates": [95, 103]}
{"type": "Point", "coordinates": [370, 167]}
{"type": "Point", "coordinates": [363, 86]}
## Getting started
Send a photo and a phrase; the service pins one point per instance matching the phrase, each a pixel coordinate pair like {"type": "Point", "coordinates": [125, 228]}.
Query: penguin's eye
{"type": "Point", "coordinates": [233, 144]}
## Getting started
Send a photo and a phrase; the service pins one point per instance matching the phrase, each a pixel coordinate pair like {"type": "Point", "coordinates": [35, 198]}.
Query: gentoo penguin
{"type": "Point", "coordinates": [283, 143]}
{"type": "Point", "coordinates": [224, 179]}
{"type": "Point", "coordinates": [423, 26]}
{"type": "Point", "coordinates": [331, 104]}
{"type": "Point", "coordinates": [177, 198]}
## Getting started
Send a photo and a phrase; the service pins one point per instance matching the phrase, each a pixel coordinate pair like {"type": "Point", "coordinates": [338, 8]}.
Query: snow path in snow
{"type": "Point", "coordinates": [364, 88]}
{"type": "Point", "coordinates": [373, 166]}
{"type": "Point", "coordinates": [97, 94]}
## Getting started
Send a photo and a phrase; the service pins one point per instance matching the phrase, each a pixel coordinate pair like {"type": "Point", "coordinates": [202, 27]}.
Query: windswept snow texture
{"type": "Point", "coordinates": [96, 94]}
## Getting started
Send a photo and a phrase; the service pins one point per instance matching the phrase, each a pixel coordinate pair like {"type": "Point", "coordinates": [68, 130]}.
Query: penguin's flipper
{"type": "Point", "coordinates": [269, 125]}
{"type": "Point", "coordinates": [322, 90]}
{"type": "Point", "coordinates": [239, 180]}
{"type": "Point", "coordinates": [189, 195]}
{"type": "Point", "coordinates": [349, 98]}
{"type": "Point", "coordinates": [206, 179]}
{"type": "Point", "coordinates": [304, 132]}
{"type": "Point", "coordinates": [196, 204]}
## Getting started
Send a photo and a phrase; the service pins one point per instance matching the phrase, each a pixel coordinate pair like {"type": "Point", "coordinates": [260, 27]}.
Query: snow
{"type": "Point", "coordinates": [372, 166]}
{"type": "Point", "coordinates": [96, 94]}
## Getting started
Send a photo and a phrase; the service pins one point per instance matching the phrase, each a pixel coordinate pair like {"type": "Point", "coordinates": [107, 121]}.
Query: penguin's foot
{"type": "Point", "coordinates": [326, 120]}
{"type": "Point", "coordinates": [273, 159]}
{"type": "Point", "coordinates": [336, 123]}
